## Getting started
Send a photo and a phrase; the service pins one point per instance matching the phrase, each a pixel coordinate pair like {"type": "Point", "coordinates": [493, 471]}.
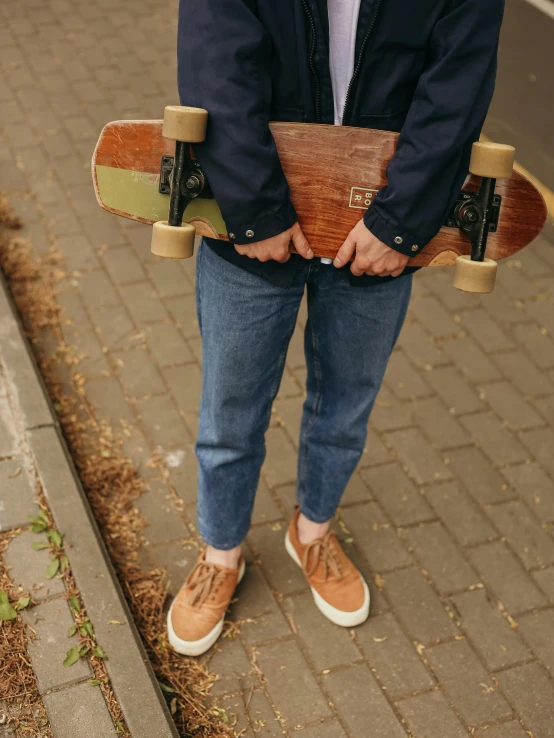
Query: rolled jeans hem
{"type": "Point", "coordinates": [315, 518]}
{"type": "Point", "coordinates": [226, 546]}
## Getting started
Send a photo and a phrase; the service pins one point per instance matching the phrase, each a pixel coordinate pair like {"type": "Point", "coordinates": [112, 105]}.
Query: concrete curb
{"type": "Point", "coordinates": [130, 672]}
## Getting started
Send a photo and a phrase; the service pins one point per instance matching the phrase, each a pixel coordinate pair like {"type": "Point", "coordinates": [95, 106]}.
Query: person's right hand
{"type": "Point", "coordinates": [278, 247]}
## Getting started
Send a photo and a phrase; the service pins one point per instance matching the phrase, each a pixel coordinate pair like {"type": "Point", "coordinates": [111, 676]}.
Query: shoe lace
{"type": "Point", "coordinates": [203, 581]}
{"type": "Point", "coordinates": [322, 550]}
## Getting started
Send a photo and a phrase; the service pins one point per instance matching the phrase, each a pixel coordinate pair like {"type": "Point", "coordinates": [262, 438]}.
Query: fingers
{"type": "Point", "coordinates": [345, 253]}
{"type": "Point", "coordinates": [300, 242]}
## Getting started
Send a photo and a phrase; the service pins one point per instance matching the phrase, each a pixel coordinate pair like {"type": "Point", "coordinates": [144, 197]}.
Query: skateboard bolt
{"type": "Point", "coordinates": [249, 234]}
{"type": "Point", "coordinates": [193, 183]}
{"type": "Point", "coordinates": [415, 247]}
{"type": "Point", "coordinates": [399, 240]}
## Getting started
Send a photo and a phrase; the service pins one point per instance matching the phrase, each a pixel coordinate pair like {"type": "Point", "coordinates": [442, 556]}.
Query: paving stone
{"type": "Point", "coordinates": [17, 501]}
{"type": "Point", "coordinates": [468, 357]}
{"type": "Point", "coordinates": [442, 429]}
{"type": "Point", "coordinates": [506, 577]}
{"type": "Point", "coordinates": [107, 398]}
{"type": "Point", "coordinates": [494, 439]}
{"type": "Point", "coordinates": [122, 265]}
{"type": "Point", "coordinates": [51, 622]}
{"type": "Point", "coordinates": [376, 538]}
{"type": "Point", "coordinates": [138, 373]}
{"type": "Point", "coordinates": [323, 730]}
{"type": "Point", "coordinates": [537, 629]}
{"type": "Point", "coordinates": [511, 407]}
{"type": "Point", "coordinates": [460, 514]}
{"type": "Point", "coordinates": [183, 311]}
{"type": "Point", "coordinates": [328, 645]}
{"type": "Point", "coordinates": [167, 345]}
{"type": "Point", "coordinates": [418, 607]}
{"type": "Point", "coordinates": [531, 692]}
{"type": "Point", "coordinates": [97, 291]}
{"type": "Point", "coordinates": [430, 716]}
{"type": "Point", "coordinates": [545, 580]}
{"type": "Point", "coordinates": [87, 349]}
{"type": "Point", "coordinates": [523, 374]}
{"type": "Point", "coordinates": [143, 302]}
{"type": "Point", "coordinates": [102, 229]}
{"type": "Point", "coordinates": [545, 406]}
{"type": "Point", "coordinates": [281, 461]}
{"type": "Point", "coordinates": [423, 462]}
{"type": "Point", "coordinates": [265, 508]}
{"type": "Point", "coordinates": [163, 423]}
{"type": "Point", "coordinates": [257, 607]}
{"type": "Point", "coordinates": [231, 666]}
{"type": "Point", "coordinates": [361, 704]}
{"type": "Point", "coordinates": [467, 683]}
{"type": "Point", "coordinates": [356, 490]}
{"type": "Point", "coordinates": [434, 317]}
{"type": "Point", "coordinates": [488, 334]}
{"type": "Point", "coordinates": [392, 656]}
{"type": "Point", "coordinates": [397, 494]}
{"type": "Point", "coordinates": [419, 347]}
{"type": "Point", "coordinates": [441, 558]}
{"type": "Point", "coordinates": [478, 476]}
{"type": "Point", "coordinates": [267, 544]}
{"type": "Point", "coordinates": [489, 630]}
{"type": "Point", "coordinates": [283, 664]}
{"type": "Point", "coordinates": [374, 452]}
{"type": "Point", "coordinates": [88, 716]}
{"type": "Point", "coordinates": [404, 380]}
{"type": "Point", "coordinates": [506, 730]}
{"type": "Point", "coordinates": [28, 567]}
{"type": "Point", "coordinates": [389, 413]}
{"type": "Point", "coordinates": [537, 344]}
{"type": "Point", "coordinates": [165, 521]}
{"type": "Point", "coordinates": [540, 443]}
{"type": "Point", "coordinates": [531, 543]}
{"type": "Point", "coordinates": [183, 471]}
{"type": "Point", "coordinates": [178, 560]}
{"type": "Point", "coordinates": [185, 383]}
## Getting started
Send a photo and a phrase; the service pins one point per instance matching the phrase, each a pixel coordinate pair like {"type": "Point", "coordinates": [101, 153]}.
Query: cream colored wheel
{"type": "Point", "coordinates": [185, 124]}
{"type": "Point", "coordinates": [173, 242]}
{"type": "Point", "coordinates": [492, 160]}
{"type": "Point", "coordinates": [475, 276]}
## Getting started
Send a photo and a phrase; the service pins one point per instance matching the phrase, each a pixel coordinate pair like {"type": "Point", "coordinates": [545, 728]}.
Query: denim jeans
{"type": "Point", "coordinates": [246, 325]}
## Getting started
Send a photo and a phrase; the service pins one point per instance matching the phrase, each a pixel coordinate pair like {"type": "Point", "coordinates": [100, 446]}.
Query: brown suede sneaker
{"type": "Point", "coordinates": [195, 618]}
{"type": "Point", "coordinates": [339, 590]}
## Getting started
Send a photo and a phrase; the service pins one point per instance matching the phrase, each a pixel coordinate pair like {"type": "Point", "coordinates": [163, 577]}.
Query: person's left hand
{"type": "Point", "coordinates": [372, 257]}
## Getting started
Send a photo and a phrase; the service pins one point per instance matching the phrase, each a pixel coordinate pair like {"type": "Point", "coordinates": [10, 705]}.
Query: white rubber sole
{"type": "Point", "coordinates": [338, 617]}
{"type": "Point", "coordinates": [197, 648]}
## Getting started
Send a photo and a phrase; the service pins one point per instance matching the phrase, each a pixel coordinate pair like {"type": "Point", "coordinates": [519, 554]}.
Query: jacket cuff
{"type": "Point", "coordinates": [261, 228]}
{"type": "Point", "coordinates": [392, 235]}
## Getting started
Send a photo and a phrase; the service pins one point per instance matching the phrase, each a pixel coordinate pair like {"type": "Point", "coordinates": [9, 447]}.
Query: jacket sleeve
{"type": "Point", "coordinates": [446, 116]}
{"type": "Point", "coordinates": [224, 56]}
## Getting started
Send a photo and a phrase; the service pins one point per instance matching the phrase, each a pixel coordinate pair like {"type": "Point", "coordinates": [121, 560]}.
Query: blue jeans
{"type": "Point", "coordinates": [246, 325]}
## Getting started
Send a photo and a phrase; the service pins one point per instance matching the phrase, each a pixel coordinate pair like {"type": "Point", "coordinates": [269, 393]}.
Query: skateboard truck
{"type": "Point", "coordinates": [477, 216]}
{"type": "Point", "coordinates": [185, 181]}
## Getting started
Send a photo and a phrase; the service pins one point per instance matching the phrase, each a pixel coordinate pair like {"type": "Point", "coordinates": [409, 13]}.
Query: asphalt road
{"type": "Point", "coordinates": [522, 112]}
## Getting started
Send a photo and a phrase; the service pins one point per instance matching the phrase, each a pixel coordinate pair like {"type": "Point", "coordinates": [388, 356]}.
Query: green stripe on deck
{"type": "Point", "coordinates": [136, 194]}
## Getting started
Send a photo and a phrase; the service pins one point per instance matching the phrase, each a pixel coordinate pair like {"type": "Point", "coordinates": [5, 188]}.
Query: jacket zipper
{"type": "Point", "coordinates": [359, 61]}
{"type": "Point", "coordinates": [312, 65]}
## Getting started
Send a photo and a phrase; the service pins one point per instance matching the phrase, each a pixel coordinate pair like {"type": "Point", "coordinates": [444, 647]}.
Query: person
{"type": "Point", "coordinates": [425, 69]}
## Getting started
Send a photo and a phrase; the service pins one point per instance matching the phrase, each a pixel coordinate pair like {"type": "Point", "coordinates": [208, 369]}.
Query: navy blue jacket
{"type": "Point", "coordinates": [425, 68]}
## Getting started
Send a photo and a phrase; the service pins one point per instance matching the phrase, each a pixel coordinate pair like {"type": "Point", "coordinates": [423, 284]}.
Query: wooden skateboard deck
{"type": "Point", "coordinates": [333, 172]}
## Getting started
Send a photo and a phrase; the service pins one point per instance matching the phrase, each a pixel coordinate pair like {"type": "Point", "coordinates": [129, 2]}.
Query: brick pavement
{"type": "Point", "coordinates": [450, 513]}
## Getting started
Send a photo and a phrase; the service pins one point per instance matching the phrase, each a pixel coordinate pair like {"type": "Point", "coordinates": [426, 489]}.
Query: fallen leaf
{"type": "Point", "coordinates": [72, 656]}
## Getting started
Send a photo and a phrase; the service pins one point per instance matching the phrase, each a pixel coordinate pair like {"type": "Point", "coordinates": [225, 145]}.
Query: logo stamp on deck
{"type": "Point", "coordinates": [361, 197]}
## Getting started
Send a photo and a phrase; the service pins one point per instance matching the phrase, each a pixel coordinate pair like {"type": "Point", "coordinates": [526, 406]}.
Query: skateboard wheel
{"type": "Point", "coordinates": [185, 124]}
{"type": "Point", "coordinates": [492, 160]}
{"type": "Point", "coordinates": [475, 276]}
{"type": "Point", "coordinates": [173, 242]}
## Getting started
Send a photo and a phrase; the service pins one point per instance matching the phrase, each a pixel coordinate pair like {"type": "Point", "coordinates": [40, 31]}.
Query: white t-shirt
{"type": "Point", "coordinates": [343, 24]}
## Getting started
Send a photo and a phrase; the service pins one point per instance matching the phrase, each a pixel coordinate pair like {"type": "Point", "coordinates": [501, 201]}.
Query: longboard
{"type": "Point", "coordinates": [334, 174]}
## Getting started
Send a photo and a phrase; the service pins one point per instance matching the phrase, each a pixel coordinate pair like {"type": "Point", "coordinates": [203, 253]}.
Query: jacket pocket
{"type": "Point", "coordinates": [384, 122]}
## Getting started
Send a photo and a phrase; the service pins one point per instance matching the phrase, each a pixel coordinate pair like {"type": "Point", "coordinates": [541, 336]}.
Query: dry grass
{"type": "Point", "coordinates": [109, 478]}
